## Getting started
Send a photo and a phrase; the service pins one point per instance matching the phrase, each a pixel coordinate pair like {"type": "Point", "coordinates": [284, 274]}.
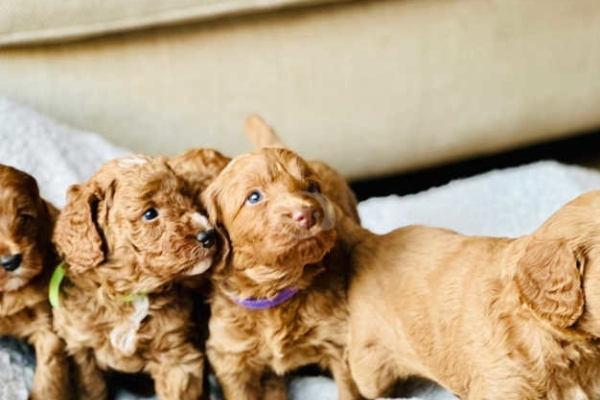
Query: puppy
{"type": "Point", "coordinates": [127, 236]}
{"type": "Point", "coordinates": [278, 301]}
{"type": "Point", "coordinates": [487, 318]}
{"type": "Point", "coordinates": [27, 258]}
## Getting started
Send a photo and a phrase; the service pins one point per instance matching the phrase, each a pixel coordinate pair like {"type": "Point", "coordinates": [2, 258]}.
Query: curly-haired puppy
{"type": "Point", "coordinates": [128, 235]}
{"type": "Point", "coordinates": [488, 318]}
{"type": "Point", "coordinates": [278, 300]}
{"type": "Point", "coordinates": [27, 259]}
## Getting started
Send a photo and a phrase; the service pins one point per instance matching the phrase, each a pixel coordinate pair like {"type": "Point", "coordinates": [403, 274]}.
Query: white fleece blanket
{"type": "Point", "coordinates": [509, 202]}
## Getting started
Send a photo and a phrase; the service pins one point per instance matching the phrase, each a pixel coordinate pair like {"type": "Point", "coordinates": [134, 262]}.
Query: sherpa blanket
{"type": "Point", "coordinates": [508, 202]}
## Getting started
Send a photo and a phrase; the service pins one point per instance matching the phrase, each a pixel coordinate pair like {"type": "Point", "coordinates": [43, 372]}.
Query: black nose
{"type": "Point", "coordinates": [208, 238]}
{"type": "Point", "coordinates": [10, 262]}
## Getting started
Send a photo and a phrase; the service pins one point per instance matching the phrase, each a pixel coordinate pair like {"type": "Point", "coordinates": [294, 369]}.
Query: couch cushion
{"type": "Point", "coordinates": [32, 21]}
{"type": "Point", "coordinates": [371, 87]}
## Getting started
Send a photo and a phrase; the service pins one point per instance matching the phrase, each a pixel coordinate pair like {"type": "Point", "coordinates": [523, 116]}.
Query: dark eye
{"type": "Point", "coordinates": [25, 219]}
{"type": "Point", "coordinates": [254, 197]}
{"type": "Point", "coordinates": [313, 187]}
{"type": "Point", "coordinates": [150, 214]}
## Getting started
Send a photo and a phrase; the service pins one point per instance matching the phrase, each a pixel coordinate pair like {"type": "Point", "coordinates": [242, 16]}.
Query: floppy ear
{"type": "Point", "coordinates": [47, 215]}
{"type": "Point", "coordinates": [548, 277]}
{"type": "Point", "coordinates": [76, 234]}
{"type": "Point", "coordinates": [224, 251]}
{"type": "Point", "coordinates": [261, 134]}
{"type": "Point", "coordinates": [209, 199]}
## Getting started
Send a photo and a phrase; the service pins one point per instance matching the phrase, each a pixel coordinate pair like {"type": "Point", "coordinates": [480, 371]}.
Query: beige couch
{"type": "Point", "coordinates": [371, 86]}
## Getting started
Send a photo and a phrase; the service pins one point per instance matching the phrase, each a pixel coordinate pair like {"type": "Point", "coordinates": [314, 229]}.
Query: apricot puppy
{"type": "Point", "coordinates": [128, 235]}
{"type": "Point", "coordinates": [27, 259]}
{"type": "Point", "coordinates": [278, 300]}
{"type": "Point", "coordinates": [488, 318]}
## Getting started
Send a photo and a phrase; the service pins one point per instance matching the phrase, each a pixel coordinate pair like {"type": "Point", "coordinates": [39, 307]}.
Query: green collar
{"type": "Point", "coordinates": [54, 288]}
{"type": "Point", "coordinates": [59, 275]}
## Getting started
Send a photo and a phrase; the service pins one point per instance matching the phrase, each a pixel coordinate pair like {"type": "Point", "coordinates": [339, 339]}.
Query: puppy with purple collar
{"type": "Point", "coordinates": [278, 301]}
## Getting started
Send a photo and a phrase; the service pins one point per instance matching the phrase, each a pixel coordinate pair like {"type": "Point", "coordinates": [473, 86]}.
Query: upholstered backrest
{"type": "Point", "coordinates": [34, 21]}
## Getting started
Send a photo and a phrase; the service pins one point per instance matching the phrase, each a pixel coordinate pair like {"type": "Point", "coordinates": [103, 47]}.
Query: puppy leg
{"type": "Point", "coordinates": [347, 389]}
{"type": "Point", "coordinates": [51, 379]}
{"type": "Point", "coordinates": [179, 373]}
{"type": "Point", "coordinates": [274, 387]}
{"type": "Point", "coordinates": [371, 370]}
{"type": "Point", "coordinates": [90, 379]}
{"type": "Point", "coordinates": [238, 380]}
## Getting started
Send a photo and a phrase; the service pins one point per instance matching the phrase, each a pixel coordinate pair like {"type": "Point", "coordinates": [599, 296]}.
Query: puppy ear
{"type": "Point", "coordinates": [47, 215]}
{"type": "Point", "coordinates": [261, 134]}
{"type": "Point", "coordinates": [548, 277]}
{"type": "Point", "coordinates": [51, 211]}
{"type": "Point", "coordinates": [76, 233]}
{"type": "Point", "coordinates": [224, 251]}
{"type": "Point", "coordinates": [209, 199]}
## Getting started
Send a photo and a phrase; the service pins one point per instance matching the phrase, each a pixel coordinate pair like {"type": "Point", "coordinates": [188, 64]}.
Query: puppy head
{"type": "Point", "coordinates": [271, 206]}
{"type": "Point", "coordinates": [558, 275]}
{"type": "Point", "coordinates": [135, 227]}
{"type": "Point", "coordinates": [199, 167]}
{"type": "Point", "coordinates": [25, 229]}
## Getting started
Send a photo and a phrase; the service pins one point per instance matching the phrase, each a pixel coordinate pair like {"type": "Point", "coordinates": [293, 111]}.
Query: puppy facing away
{"type": "Point", "coordinates": [127, 236]}
{"type": "Point", "coordinates": [278, 301]}
{"type": "Point", "coordinates": [487, 318]}
{"type": "Point", "coordinates": [27, 259]}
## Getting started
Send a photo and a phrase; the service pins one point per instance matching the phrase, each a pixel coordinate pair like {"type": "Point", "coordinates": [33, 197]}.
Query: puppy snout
{"type": "Point", "coordinates": [208, 238]}
{"type": "Point", "coordinates": [305, 216]}
{"type": "Point", "coordinates": [10, 262]}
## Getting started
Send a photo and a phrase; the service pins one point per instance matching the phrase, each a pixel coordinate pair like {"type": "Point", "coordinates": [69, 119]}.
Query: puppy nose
{"type": "Point", "coordinates": [305, 217]}
{"type": "Point", "coordinates": [10, 262]}
{"type": "Point", "coordinates": [208, 238]}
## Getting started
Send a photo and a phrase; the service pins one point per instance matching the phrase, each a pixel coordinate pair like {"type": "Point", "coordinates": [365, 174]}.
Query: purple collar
{"type": "Point", "coordinates": [263, 304]}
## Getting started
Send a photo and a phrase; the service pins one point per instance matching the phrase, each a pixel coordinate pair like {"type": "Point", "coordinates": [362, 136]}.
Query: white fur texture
{"type": "Point", "coordinates": [201, 220]}
{"type": "Point", "coordinates": [124, 336]}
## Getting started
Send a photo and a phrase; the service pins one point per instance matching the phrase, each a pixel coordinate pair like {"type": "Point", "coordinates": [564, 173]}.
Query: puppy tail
{"type": "Point", "coordinates": [261, 134]}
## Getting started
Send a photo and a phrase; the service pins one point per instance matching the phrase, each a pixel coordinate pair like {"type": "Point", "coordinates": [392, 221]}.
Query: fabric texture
{"type": "Point", "coordinates": [372, 87]}
{"type": "Point", "coordinates": [56, 155]}
{"type": "Point", "coordinates": [509, 202]}
{"type": "Point", "coordinates": [32, 21]}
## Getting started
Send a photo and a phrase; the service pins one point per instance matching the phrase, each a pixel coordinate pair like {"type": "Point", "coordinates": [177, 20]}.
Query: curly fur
{"type": "Point", "coordinates": [251, 350]}
{"type": "Point", "coordinates": [26, 223]}
{"type": "Point", "coordinates": [112, 252]}
{"type": "Point", "coordinates": [488, 318]}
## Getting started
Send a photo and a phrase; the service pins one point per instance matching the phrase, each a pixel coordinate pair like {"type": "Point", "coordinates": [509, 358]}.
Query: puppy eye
{"type": "Point", "coordinates": [150, 214]}
{"type": "Point", "coordinates": [254, 197]}
{"type": "Point", "coordinates": [25, 219]}
{"type": "Point", "coordinates": [313, 187]}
